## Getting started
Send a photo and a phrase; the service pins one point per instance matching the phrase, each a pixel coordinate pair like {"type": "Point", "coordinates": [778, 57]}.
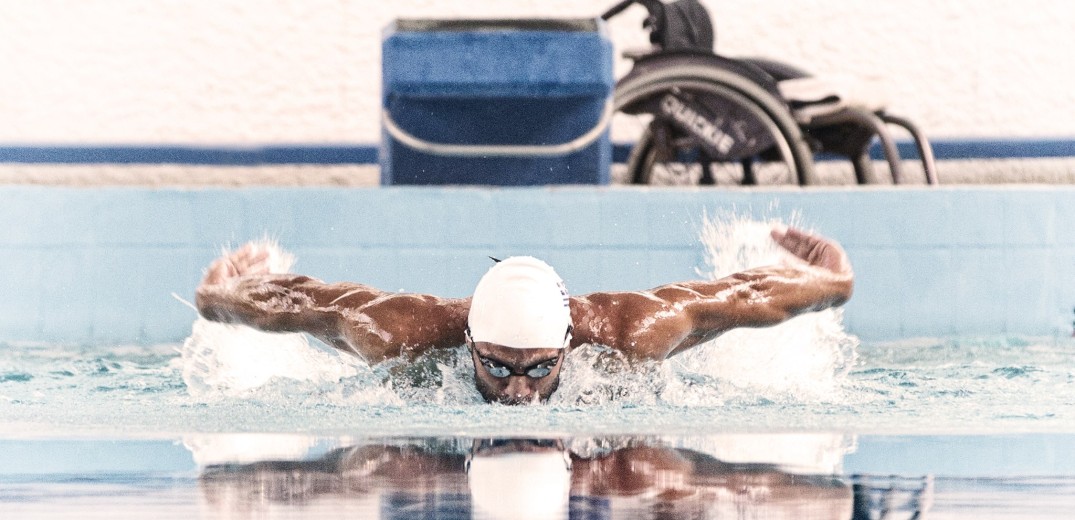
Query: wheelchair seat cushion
{"type": "Point", "coordinates": [813, 96]}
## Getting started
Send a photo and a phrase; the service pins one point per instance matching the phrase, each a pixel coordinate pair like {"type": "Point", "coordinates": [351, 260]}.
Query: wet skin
{"type": "Point", "coordinates": [517, 388]}
{"type": "Point", "coordinates": [249, 286]}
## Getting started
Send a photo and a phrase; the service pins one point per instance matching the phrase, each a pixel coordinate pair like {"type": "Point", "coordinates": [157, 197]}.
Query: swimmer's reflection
{"type": "Point", "coordinates": [520, 479]}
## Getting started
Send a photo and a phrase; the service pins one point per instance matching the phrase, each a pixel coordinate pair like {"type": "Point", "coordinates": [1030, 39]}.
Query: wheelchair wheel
{"type": "Point", "coordinates": [748, 128]}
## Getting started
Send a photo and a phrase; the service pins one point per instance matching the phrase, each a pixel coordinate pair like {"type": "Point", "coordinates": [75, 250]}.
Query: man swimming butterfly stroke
{"type": "Point", "coordinates": [520, 322]}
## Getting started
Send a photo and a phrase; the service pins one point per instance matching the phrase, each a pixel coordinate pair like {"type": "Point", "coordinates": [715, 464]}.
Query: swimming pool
{"type": "Point", "coordinates": [920, 387]}
{"type": "Point", "coordinates": [965, 411]}
{"type": "Point", "coordinates": [955, 427]}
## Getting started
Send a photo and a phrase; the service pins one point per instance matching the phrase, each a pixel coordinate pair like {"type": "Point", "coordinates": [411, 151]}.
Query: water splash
{"type": "Point", "coordinates": [804, 358]}
{"type": "Point", "coordinates": [221, 360]}
{"type": "Point", "coordinates": [596, 375]}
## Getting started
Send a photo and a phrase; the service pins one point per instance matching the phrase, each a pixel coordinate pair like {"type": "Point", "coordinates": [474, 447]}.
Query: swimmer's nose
{"type": "Point", "coordinates": [519, 389]}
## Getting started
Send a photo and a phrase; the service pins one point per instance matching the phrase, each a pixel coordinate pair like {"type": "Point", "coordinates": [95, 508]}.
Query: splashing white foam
{"type": "Point", "coordinates": [221, 360]}
{"type": "Point", "coordinates": [804, 357]}
{"type": "Point", "coordinates": [233, 361]}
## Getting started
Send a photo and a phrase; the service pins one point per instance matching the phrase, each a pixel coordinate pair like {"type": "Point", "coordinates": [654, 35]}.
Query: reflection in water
{"type": "Point", "coordinates": [621, 477]}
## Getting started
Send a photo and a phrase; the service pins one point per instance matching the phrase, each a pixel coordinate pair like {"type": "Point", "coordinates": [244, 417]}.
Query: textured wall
{"type": "Point", "coordinates": [99, 265]}
{"type": "Point", "coordinates": [233, 71]}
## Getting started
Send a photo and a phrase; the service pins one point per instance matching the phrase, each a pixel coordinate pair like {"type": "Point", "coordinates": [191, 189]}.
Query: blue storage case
{"type": "Point", "coordinates": [501, 102]}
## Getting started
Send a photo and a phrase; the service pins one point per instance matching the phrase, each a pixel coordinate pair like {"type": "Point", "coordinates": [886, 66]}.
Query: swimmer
{"type": "Point", "coordinates": [520, 322]}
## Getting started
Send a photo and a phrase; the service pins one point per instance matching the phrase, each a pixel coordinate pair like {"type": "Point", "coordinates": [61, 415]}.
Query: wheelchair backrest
{"type": "Point", "coordinates": [686, 27]}
{"type": "Point", "coordinates": [681, 25]}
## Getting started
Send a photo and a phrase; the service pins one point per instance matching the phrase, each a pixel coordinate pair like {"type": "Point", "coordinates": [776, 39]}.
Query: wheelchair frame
{"type": "Point", "coordinates": [721, 95]}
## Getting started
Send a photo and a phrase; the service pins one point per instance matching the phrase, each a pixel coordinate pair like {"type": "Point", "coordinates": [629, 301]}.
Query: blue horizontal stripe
{"type": "Point", "coordinates": [992, 149]}
{"type": "Point", "coordinates": [219, 155]}
{"type": "Point", "coordinates": [952, 149]}
{"type": "Point", "coordinates": [224, 155]}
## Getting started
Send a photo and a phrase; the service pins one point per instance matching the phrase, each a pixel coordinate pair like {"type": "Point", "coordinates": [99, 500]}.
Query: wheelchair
{"type": "Point", "coordinates": [696, 111]}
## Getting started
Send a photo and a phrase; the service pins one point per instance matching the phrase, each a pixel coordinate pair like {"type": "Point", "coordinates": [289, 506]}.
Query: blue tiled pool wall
{"type": "Point", "coordinates": [100, 265]}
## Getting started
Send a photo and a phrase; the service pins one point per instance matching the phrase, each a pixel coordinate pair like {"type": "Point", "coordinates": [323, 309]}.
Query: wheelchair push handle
{"type": "Point", "coordinates": [655, 8]}
{"type": "Point", "coordinates": [676, 26]}
{"type": "Point", "coordinates": [617, 9]}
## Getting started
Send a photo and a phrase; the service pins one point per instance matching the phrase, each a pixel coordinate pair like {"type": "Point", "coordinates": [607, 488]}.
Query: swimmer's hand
{"type": "Point", "coordinates": [815, 250]}
{"type": "Point", "coordinates": [252, 258]}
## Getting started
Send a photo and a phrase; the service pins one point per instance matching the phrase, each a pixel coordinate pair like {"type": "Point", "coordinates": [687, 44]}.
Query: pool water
{"type": "Point", "coordinates": [218, 476]}
{"type": "Point", "coordinates": [968, 428]}
{"type": "Point", "coordinates": [913, 387]}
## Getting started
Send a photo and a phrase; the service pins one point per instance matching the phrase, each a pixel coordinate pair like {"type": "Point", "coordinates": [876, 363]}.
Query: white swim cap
{"type": "Point", "coordinates": [520, 303]}
{"type": "Point", "coordinates": [520, 485]}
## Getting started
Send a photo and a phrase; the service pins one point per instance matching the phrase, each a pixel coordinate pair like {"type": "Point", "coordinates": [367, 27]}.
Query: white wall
{"type": "Point", "coordinates": [237, 71]}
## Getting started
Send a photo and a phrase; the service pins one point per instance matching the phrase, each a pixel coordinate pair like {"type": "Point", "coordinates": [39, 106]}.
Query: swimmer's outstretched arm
{"type": "Point", "coordinates": [672, 318]}
{"type": "Point", "coordinates": [241, 288]}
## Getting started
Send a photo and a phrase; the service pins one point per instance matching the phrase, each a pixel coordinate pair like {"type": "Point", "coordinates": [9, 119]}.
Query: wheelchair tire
{"type": "Point", "coordinates": [772, 111]}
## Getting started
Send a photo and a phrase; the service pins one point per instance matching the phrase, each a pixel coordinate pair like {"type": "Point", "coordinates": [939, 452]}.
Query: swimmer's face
{"type": "Point", "coordinates": [515, 376]}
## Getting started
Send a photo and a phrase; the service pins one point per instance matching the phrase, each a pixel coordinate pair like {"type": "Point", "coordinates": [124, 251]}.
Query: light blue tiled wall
{"type": "Point", "coordinates": [99, 265]}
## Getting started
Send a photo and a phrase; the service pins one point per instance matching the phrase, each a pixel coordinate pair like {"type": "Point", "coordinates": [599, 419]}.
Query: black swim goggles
{"type": "Point", "coordinates": [500, 370]}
